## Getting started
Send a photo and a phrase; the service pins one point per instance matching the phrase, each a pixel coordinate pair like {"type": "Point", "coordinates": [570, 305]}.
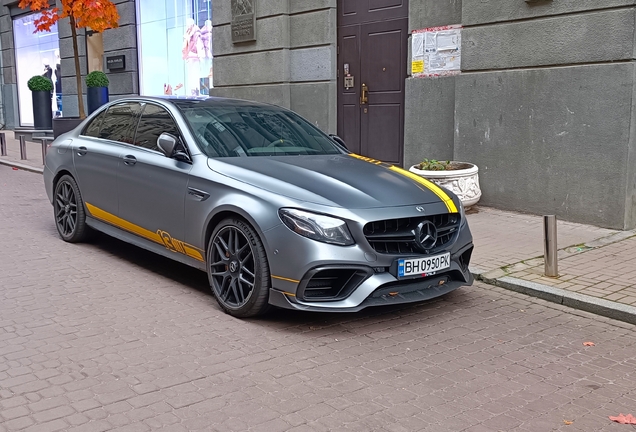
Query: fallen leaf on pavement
{"type": "Point", "coordinates": [14, 168]}
{"type": "Point", "coordinates": [588, 343]}
{"type": "Point", "coordinates": [568, 422]}
{"type": "Point", "coordinates": [624, 419]}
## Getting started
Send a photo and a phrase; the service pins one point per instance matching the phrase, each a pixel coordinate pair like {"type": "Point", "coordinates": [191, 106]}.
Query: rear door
{"type": "Point", "coordinates": [98, 154]}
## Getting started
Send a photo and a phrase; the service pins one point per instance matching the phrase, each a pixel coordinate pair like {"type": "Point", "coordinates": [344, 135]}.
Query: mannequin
{"type": "Point", "coordinates": [58, 84]}
{"type": "Point", "coordinates": [48, 73]}
{"type": "Point", "coordinates": [193, 51]}
{"type": "Point", "coordinates": [206, 37]}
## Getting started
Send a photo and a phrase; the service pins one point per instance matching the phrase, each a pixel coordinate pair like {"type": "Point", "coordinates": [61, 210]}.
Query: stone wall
{"type": "Point", "coordinates": [292, 63]}
{"type": "Point", "coordinates": [544, 106]}
{"type": "Point", "coordinates": [117, 41]}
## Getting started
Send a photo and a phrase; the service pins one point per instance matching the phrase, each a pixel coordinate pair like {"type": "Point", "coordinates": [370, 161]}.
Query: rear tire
{"type": "Point", "coordinates": [68, 210]}
{"type": "Point", "coordinates": [238, 270]}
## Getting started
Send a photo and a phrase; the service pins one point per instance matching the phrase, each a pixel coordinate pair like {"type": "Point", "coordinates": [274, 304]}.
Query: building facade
{"type": "Point", "coordinates": [540, 93]}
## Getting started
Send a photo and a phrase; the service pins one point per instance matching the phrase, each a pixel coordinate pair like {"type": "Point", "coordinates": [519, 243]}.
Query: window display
{"type": "Point", "coordinates": [36, 54]}
{"type": "Point", "coordinates": [175, 47]}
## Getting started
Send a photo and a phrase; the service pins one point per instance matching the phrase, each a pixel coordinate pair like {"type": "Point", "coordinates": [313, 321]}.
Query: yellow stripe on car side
{"type": "Point", "coordinates": [448, 201]}
{"type": "Point", "coordinates": [165, 240]}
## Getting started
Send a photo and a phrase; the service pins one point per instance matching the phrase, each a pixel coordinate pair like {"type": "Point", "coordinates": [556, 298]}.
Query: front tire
{"type": "Point", "coordinates": [68, 208]}
{"type": "Point", "coordinates": [238, 270]}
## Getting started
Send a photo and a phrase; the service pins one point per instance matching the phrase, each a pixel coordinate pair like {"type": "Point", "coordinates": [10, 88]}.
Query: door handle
{"type": "Point", "coordinates": [130, 160]}
{"type": "Point", "coordinates": [364, 98]}
{"type": "Point", "coordinates": [81, 151]}
{"type": "Point", "coordinates": [199, 194]}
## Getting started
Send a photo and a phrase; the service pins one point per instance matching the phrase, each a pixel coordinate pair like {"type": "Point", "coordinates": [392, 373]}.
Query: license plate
{"type": "Point", "coordinates": [423, 266]}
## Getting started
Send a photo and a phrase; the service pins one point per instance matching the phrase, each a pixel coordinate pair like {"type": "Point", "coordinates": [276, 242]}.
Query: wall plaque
{"type": "Point", "coordinates": [243, 21]}
{"type": "Point", "coordinates": [116, 63]}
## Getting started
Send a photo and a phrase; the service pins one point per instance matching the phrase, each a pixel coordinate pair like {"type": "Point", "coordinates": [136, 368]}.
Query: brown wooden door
{"type": "Point", "coordinates": [372, 41]}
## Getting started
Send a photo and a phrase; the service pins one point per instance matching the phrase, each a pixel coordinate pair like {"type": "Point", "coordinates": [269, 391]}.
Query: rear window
{"type": "Point", "coordinates": [120, 122]}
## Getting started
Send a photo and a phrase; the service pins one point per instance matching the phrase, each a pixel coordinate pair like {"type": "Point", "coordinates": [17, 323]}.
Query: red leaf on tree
{"type": "Point", "coordinates": [624, 419]}
{"type": "Point", "coordinates": [588, 343]}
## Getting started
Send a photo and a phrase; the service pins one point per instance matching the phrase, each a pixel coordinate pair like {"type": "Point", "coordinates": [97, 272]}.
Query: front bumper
{"type": "Point", "coordinates": [373, 280]}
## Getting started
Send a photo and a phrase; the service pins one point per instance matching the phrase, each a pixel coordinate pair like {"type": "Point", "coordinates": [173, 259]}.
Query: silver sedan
{"type": "Point", "coordinates": [275, 211]}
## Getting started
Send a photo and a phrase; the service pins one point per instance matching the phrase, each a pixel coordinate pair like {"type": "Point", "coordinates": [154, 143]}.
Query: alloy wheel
{"type": "Point", "coordinates": [232, 271]}
{"type": "Point", "coordinates": [65, 208]}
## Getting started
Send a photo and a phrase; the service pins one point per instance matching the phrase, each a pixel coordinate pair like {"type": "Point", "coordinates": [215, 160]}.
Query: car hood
{"type": "Point", "coordinates": [333, 180]}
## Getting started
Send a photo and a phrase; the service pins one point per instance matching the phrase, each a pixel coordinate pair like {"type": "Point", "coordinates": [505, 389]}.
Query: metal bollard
{"type": "Point", "coordinates": [23, 154]}
{"type": "Point", "coordinates": [44, 145]}
{"type": "Point", "coordinates": [3, 145]}
{"type": "Point", "coordinates": [550, 245]}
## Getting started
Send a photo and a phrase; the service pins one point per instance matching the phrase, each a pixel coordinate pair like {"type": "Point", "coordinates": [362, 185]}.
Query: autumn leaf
{"type": "Point", "coordinates": [99, 15]}
{"type": "Point", "coordinates": [624, 419]}
{"type": "Point", "coordinates": [588, 343]}
{"type": "Point", "coordinates": [568, 422]}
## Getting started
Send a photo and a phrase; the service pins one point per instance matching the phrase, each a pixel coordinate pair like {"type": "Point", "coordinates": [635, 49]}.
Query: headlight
{"type": "Point", "coordinates": [317, 227]}
{"type": "Point", "coordinates": [462, 213]}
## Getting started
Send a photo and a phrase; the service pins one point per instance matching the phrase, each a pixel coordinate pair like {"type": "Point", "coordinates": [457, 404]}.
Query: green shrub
{"type": "Point", "coordinates": [434, 165]}
{"type": "Point", "coordinates": [40, 83]}
{"type": "Point", "coordinates": [97, 79]}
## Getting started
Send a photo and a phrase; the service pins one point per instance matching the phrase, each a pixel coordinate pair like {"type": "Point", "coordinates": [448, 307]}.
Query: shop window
{"type": "Point", "coordinates": [175, 47]}
{"type": "Point", "coordinates": [36, 54]}
{"type": "Point", "coordinates": [94, 51]}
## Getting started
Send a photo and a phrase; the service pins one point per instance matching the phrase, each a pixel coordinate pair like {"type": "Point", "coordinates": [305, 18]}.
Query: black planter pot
{"type": "Point", "coordinates": [61, 125]}
{"type": "Point", "coordinates": [97, 96]}
{"type": "Point", "coordinates": [42, 110]}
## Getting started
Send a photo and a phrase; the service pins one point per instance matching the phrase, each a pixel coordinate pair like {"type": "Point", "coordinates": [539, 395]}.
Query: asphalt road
{"type": "Point", "coordinates": [105, 336]}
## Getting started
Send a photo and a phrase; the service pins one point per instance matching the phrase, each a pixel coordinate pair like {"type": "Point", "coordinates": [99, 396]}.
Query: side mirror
{"type": "Point", "coordinates": [338, 140]}
{"type": "Point", "coordinates": [167, 144]}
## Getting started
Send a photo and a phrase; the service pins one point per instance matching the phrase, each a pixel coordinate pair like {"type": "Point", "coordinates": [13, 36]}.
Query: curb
{"type": "Point", "coordinates": [606, 308]}
{"type": "Point", "coordinates": [21, 166]}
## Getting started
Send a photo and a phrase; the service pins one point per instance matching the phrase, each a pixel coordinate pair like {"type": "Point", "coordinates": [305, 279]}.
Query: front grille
{"type": "Point", "coordinates": [330, 284]}
{"type": "Point", "coordinates": [397, 236]}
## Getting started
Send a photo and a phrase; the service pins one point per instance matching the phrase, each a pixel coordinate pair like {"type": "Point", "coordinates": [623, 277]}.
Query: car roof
{"type": "Point", "coordinates": [190, 101]}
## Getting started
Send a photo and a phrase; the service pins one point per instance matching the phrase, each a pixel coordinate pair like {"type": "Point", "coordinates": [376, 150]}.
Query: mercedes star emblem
{"type": "Point", "coordinates": [426, 235]}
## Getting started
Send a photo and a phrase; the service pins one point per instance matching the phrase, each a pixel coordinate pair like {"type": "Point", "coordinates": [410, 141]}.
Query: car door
{"type": "Point", "coordinates": [97, 155]}
{"type": "Point", "coordinates": [152, 187]}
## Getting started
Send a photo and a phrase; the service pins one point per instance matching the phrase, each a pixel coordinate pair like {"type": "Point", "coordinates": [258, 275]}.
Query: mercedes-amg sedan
{"type": "Point", "coordinates": [275, 211]}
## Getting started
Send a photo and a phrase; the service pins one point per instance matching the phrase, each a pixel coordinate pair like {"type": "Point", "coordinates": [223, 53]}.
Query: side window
{"type": "Point", "coordinates": [120, 122]}
{"type": "Point", "coordinates": [92, 129]}
{"type": "Point", "coordinates": [154, 121]}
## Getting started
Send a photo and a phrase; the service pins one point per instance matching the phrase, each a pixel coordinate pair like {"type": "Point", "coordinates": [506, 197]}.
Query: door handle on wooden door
{"type": "Point", "coordinates": [364, 98]}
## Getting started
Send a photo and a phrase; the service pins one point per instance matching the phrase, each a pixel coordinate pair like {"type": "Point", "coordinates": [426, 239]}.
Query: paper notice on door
{"type": "Point", "coordinates": [431, 42]}
{"type": "Point", "coordinates": [417, 66]}
{"type": "Point", "coordinates": [418, 45]}
{"type": "Point", "coordinates": [448, 40]}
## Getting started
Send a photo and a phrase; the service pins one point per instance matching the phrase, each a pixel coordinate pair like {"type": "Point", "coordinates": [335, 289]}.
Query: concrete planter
{"type": "Point", "coordinates": [463, 182]}
{"type": "Point", "coordinates": [61, 125]}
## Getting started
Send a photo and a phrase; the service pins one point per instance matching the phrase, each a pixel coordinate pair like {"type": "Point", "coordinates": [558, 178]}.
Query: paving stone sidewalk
{"type": "Point", "coordinates": [597, 266]}
{"type": "Point", "coordinates": [594, 263]}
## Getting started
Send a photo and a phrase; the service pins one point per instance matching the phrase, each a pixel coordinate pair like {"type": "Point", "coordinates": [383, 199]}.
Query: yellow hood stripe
{"type": "Point", "coordinates": [448, 201]}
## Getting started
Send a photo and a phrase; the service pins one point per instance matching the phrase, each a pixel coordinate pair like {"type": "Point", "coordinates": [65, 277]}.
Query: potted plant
{"type": "Point", "coordinates": [96, 15]}
{"type": "Point", "coordinates": [96, 90]}
{"type": "Point", "coordinates": [461, 178]}
{"type": "Point", "coordinates": [41, 88]}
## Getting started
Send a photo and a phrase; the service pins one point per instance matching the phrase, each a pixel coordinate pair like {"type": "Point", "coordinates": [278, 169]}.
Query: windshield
{"type": "Point", "coordinates": [244, 130]}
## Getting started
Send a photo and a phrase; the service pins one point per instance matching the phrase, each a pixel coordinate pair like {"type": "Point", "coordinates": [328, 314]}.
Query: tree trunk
{"type": "Point", "coordinates": [78, 74]}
